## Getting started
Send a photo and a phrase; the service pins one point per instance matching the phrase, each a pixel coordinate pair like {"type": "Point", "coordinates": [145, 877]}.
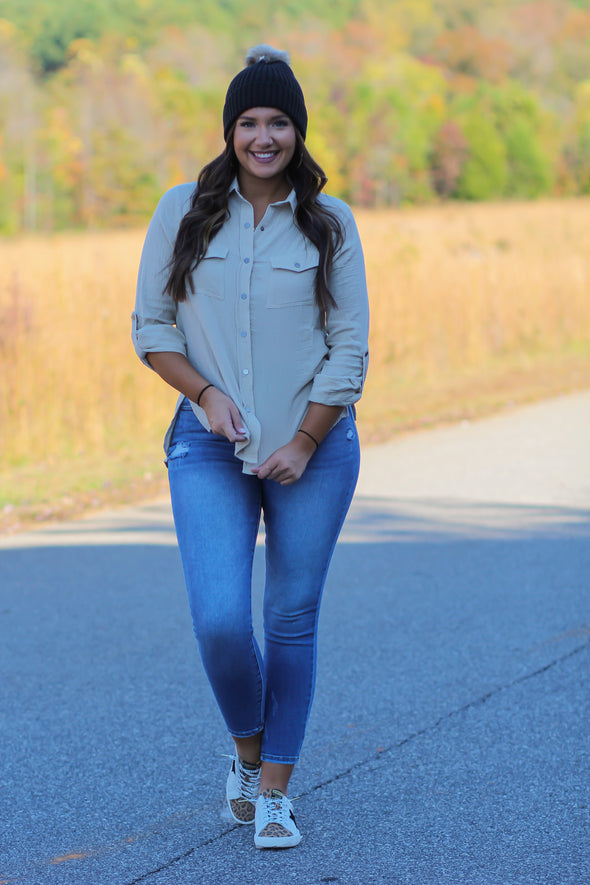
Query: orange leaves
{"type": "Point", "coordinates": [133, 107]}
{"type": "Point", "coordinates": [449, 153]}
{"type": "Point", "coordinates": [467, 51]}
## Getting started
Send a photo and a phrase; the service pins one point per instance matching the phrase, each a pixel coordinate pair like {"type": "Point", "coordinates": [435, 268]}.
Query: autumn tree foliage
{"type": "Point", "coordinates": [449, 152]}
{"type": "Point", "coordinates": [105, 104]}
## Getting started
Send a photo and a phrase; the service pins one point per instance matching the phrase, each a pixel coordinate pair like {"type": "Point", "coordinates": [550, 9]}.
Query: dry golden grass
{"type": "Point", "coordinates": [462, 284]}
{"type": "Point", "coordinates": [472, 307]}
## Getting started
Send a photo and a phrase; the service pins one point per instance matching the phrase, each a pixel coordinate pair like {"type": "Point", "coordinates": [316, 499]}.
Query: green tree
{"type": "Point", "coordinates": [577, 146]}
{"type": "Point", "coordinates": [522, 123]}
{"type": "Point", "coordinates": [57, 26]}
{"type": "Point", "coordinates": [485, 172]}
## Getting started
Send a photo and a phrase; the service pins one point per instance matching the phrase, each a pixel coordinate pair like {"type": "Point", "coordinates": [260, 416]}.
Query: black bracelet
{"type": "Point", "coordinates": [206, 387]}
{"type": "Point", "coordinates": [317, 445]}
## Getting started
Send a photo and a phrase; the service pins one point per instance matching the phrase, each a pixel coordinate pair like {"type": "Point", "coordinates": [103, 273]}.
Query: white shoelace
{"type": "Point", "coordinates": [249, 781]}
{"type": "Point", "coordinates": [278, 810]}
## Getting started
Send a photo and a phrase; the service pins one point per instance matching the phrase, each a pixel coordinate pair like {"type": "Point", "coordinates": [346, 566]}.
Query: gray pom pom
{"type": "Point", "coordinates": [264, 52]}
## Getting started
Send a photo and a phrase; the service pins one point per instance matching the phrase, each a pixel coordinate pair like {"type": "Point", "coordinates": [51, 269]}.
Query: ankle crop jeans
{"type": "Point", "coordinates": [217, 511]}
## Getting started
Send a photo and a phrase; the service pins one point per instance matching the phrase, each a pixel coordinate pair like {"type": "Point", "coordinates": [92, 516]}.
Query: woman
{"type": "Point", "coordinates": [252, 303]}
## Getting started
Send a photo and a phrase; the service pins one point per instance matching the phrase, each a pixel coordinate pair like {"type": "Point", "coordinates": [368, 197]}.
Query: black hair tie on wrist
{"type": "Point", "coordinates": [206, 387]}
{"type": "Point", "coordinates": [317, 445]}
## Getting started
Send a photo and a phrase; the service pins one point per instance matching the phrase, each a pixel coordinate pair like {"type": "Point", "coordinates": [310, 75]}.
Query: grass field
{"type": "Point", "coordinates": [474, 307]}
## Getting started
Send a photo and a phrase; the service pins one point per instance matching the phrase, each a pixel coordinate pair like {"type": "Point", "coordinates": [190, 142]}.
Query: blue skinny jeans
{"type": "Point", "coordinates": [217, 511]}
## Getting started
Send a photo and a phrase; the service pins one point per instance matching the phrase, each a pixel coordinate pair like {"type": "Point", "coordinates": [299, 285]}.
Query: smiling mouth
{"type": "Point", "coordinates": [264, 156]}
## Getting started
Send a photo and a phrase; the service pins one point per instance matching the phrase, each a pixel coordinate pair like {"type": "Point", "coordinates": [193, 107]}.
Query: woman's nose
{"type": "Point", "coordinates": [263, 135]}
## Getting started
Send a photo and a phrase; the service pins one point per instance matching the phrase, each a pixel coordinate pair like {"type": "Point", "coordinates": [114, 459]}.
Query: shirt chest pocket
{"type": "Point", "coordinates": [292, 279]}
{"type": "Point", "coordinates": [211, 274]}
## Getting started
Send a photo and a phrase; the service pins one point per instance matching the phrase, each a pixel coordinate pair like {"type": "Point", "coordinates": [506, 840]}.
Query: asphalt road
{"type": "Point", "coordinates": [449, 739]}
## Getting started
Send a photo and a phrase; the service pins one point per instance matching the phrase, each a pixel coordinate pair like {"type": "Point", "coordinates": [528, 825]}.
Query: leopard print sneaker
{"type": "Point", "coordinates": [241, 790]}
{"type": "Point", "coordinates": [275, 825]}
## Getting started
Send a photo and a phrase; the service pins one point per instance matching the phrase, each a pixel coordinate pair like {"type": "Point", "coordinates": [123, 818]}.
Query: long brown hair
{"type": "Point", "coordinates": [209, 210]}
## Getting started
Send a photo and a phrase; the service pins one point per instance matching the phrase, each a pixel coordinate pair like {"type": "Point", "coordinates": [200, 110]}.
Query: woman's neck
{"type": "Point", "coordinates": [260, 193]}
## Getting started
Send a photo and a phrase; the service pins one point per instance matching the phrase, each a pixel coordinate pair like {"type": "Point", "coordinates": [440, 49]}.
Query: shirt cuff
{"type": "Point", "coordinates": [343, 390]}
{"type": "Point", "coordinates": [157, 338]}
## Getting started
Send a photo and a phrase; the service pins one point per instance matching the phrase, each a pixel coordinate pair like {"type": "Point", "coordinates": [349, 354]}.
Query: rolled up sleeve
{"type": "Point", "coordinates": [342, 376]}
{"type": "Point", "coordinates": [154, 327]}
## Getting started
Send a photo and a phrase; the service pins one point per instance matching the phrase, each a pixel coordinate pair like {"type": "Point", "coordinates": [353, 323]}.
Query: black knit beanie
{"type": "Point", "coordinates": [267, 81]}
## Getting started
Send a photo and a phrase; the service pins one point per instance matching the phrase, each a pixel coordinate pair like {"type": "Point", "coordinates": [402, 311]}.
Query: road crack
{"type": "Point", "coordinates": [383, 751]}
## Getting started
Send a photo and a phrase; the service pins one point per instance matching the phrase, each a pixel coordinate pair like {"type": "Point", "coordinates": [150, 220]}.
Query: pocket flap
{"type": "Point", "coordinates": [216, 250]}
{"type": "Point", "coordinates": [297, 263]}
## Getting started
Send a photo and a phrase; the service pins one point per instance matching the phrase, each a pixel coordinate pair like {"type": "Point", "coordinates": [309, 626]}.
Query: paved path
{"type": "Point", "coordinates": [448, 742]}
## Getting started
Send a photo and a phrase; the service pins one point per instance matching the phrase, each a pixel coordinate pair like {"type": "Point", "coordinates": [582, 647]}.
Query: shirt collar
{"type": "Point", "coordinates": [291, 199]}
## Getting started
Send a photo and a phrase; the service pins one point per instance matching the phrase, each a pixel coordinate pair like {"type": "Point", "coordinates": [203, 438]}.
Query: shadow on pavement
{"type": "Point", "coordinates": [450, 642]}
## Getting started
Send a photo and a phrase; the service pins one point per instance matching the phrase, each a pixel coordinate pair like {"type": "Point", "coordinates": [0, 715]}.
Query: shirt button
{"type": "Point", "coordinates": [245, 371]}
{"type": "Point", "coordinates": [247, 224]}
{"type": "Point", "coordinates": [246, 261]}
{"type": "Point", "coordinates": [243, 334]}
{"type": "Point", "coordinates": [261, 228]}
{"type": "Point", "coordinates": [243, 296]}
{"type": "Point", "coordinates": [297, 264]}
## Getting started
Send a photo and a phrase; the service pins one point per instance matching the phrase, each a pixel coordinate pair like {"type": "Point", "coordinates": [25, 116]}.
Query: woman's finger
{"type": "Point", "coordinates": [237, 422]}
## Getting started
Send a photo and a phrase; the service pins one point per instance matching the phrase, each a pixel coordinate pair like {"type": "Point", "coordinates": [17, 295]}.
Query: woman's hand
{"type": "Point", "coordinates": [288, 463]}
{"type": "Point", "coordinates": [223, 415]}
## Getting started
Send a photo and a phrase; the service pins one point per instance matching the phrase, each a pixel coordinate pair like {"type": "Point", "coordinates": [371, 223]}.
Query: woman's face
{"type": "Point", "coordinates": [264, 142]}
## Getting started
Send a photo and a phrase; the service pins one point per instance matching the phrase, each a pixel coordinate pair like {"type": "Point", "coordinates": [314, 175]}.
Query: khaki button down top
{"type": "Point", "coordinates": [252, 327]}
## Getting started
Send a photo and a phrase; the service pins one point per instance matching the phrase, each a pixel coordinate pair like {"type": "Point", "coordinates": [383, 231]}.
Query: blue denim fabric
{"type": "Point", "coordinates": [217, 511]}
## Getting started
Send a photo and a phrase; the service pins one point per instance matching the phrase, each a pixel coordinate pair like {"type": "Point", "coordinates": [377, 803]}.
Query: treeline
{"type": "Point", "coordinates": [104, 104]}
